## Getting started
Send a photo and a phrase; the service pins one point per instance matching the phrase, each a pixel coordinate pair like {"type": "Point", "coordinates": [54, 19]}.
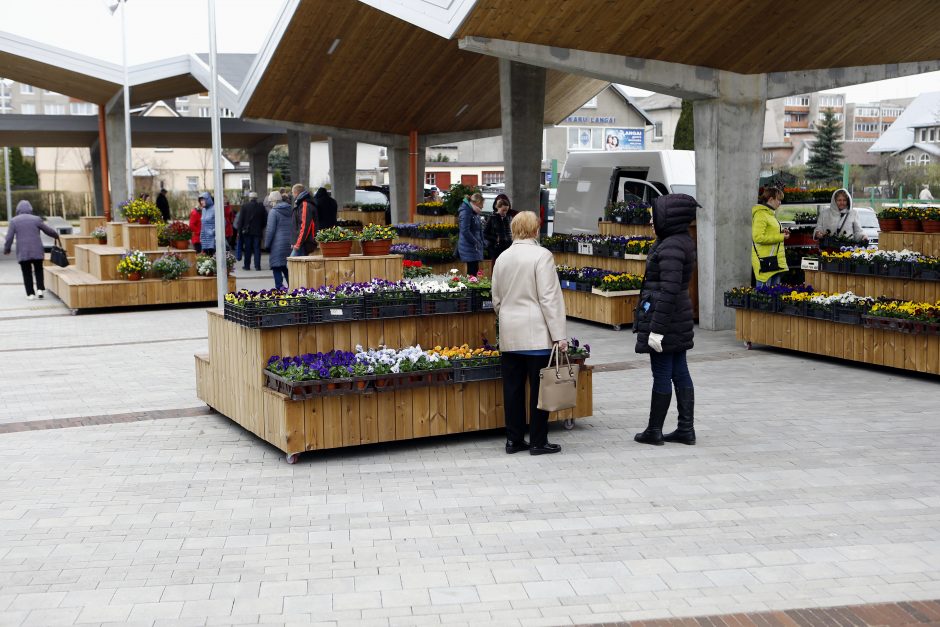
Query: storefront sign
{"type": "Point", "coordinates": [600, 119]}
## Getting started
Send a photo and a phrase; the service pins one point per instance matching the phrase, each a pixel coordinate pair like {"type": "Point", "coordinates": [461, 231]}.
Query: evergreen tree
{"type": "Point", "coordinates": [825, 162]}
{"type": "Point", "coordinates": [279, 162]}
{"type": "Point", "coordinates": [685, 128]}
{"type": "Point", "coordinates": [22, 173]}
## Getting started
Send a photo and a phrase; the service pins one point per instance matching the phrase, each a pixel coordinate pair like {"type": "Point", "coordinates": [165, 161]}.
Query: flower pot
{"type": "Point", "coordinates": [134, 276]}
{"type": "Point", "coordinates": [143, 220]}
{"type": "Point", "coordinates": [180, 244]}
{"type": "Point", "coordinates": [335, 249]}
{"type": "Point", "coordinates": [361, 384]}
{"type": "Point", "coordinates": [102, 241]}
{"type": "Point", "coordinates": [376, 247]}
{"type": "Point", "coordinates": [889, 224]}
{"type": "Point", "coordinates": [931, 226]}
{"type": "Point", "coordinates": [910, 224]}
{"type": "Point", "coordinates": [381, 383]}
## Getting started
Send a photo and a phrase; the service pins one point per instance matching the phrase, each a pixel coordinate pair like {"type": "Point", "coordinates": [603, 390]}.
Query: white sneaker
{"type": "Point", "coordinates": [30, 297]}
{"type": "Point", "coordinates": [39, 293]}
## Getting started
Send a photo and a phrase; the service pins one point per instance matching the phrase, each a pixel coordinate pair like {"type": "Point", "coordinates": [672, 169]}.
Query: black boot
{"type": "Point", "coordinates": [659, 405]}
{"type": "Point", "coordinates": [685, 433]}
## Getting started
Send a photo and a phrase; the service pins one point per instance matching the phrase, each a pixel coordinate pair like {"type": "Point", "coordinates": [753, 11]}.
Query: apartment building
{"type": "Point", "coordinates": [866, 122]}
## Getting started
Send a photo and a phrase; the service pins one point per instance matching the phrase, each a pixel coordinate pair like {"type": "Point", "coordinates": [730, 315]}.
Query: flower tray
{"type": "Point", "coordinates": [761, 303]}
{"type": "Point", "coordinates": [377, 307]}
{"type": "Point", "coordinates": [568, 285]}
{"type": "Point", "coordinates": [430, 211]}
{"type": "Point", "coordinates": [602, 250]}
{"type": "Point", "coordinates": [255, 315]}
{"type": "Point", "coordinates": [464, 372]}
{"type": "Point", "coordinates": [599, 292]}
{"type": "Point", "coordinates": [902, 270]}
{"type": "Point", "coordinates": [445, 303]}
{"type": "Point", "coordinates": [300, 390]}
{"type": "Point", "coordinates": [571, 246]}
{"type": "Point", "coordinates": [481, 300]}
{"type": "Point", "coordinates": [831, 266]}
{"type": "Point", "coordinates": [819, 313]}
{"type": "Point", "coordinates": [583, 287]}
{"type": "Point", "coordinates": [886, 324]}
{"type": "Point", "coordinates": [846, 315]}
{"type": "Point", "coordinates": [925, 275]}
{"type": "Point", "coordinates": [862, 268]}
{"type": "Point", "coordinates": [791, 308]}
{"type": "Point", "coordinates": [737, 301]}
{"type": "Point", "coordinates": [334, 310]}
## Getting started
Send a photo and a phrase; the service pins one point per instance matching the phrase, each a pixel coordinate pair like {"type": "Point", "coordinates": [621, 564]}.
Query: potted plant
{"type": "Point", "coordinates": [578, 352]}
{"type": "Point", "coordinates": [376, 239]}
{"type": "Point", "coordinates": [171, 267]}
{"type": "Point", "coordinates": [930, 219]}
{"type": "Point", "coordinates": [335, 241]}
{"type": "Point", "coordinates": [889, 219]}
{"type": "Point", "coordinates": [205, 264]}
{"type": "Point", "coordinates": [435, 208]}
{"type": "Point", "coordinates": [133, 265]}
{"type": "Point", "coordinates": [179, 234]}
{"type": "Point", "coordinates": [141, 211]}
{"type": "Point", "coordinates": [910, 219]}
{"type": "Point", "coordinates": [100, 233]}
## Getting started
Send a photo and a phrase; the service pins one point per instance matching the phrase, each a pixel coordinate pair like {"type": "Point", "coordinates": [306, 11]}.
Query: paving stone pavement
{"type": "Point", "coordinates": [814, 483]}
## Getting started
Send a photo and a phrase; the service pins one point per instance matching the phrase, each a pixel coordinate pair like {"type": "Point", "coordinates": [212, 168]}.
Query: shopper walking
{"type": "Point", "coordinates": [163, 205]}
{"type": "Point", "coordinates": [767, 237]}
{"type": "Point", "coordinates": [497, 232]}
{"type": "Point", "coordinates": [195, 225]}
{"type": "Point", "coordinates": [663, 321]}
{"type": "Point", "coordinates": [531, 312]}
{"type": "Point", "coordinates": [207, 224]}
{"type": "Point", "coordinates": [470, 232]}
{"type": "Point", "coordinates": [278, 236]}
{"type": "Point", "coordinates": [25, 228]}
{"type": "Point", "coordinates": [305, 221]}
{"type": "Point", "coordinates": [251, 220]}
{"type": "Point", "coordinates": [326, 209]}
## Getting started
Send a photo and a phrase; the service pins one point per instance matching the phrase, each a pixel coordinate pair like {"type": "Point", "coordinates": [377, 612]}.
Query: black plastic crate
{"type": "Point", "coordinates": [737, 301]}
{"type": "Point", "coordinates": [926, 275]}
{"type": "Point", "coordinates": [441, 304]}
{"type": "Point", "coordinates": [481, 300]}
{"type": "Point", "coordinates": [761, 303]}
{"type": "Point", "coordinates": [377, 307]}
{"type": "Point", "coordinates": [791, 308]}
{"type": "Point", "coordinates": [256, 315]}
{"type": "Point", "coordinates": [464, 372]}
{"type": "Point", "coordinates": [817, 312]}
{"type": "Point", "coordinates": [847, 315]}
{"type": "Point", "coordinates": [334, 310]}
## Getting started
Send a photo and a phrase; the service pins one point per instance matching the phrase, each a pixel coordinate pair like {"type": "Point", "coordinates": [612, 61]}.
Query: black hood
{"type": "Point", "coordinates": [673, 213]}
{"type": "Point", "coordinates": [321, 194]}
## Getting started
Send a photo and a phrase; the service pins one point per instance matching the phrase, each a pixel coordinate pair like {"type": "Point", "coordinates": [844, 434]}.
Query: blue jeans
{"type": "Point", "coordinates": [280, 276]}
{"type": "Point", "coordinates": [669, 369]}
{"type": "Point", "coordinates": [250, 244]}
{"type": "Point", "coordinates": [773, 280]}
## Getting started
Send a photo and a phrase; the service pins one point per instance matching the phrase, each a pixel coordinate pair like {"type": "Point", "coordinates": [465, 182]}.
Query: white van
{"type": "Point", "coordinates": [592, 180]}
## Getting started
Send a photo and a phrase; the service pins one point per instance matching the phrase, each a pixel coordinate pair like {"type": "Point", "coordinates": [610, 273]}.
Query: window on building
{"type": "Point", "coordinates": [26, 89]}
{"type": "Point", "coordinates": [590, 104]}
{"type": "Point", "coordinates": [866, 127]}
{"type": "Point", "coordinates": [585, 138]}
{"type": "Point", "coordinates": [893, 112]}
{"type": "Point", "coordinates": [658, 132]}
{"type": "Point", "coordinates": [53, 109]}
{"type": "Point", "coordinates": [494, 178]}
{"type": "Point", "coordinates": [29, 152]}
{"type": "Point", "coordinates": [28, 109]}
{"type": "Point", "coordinates": [925, 159]}
{"type": "Point", "coordinates": [932, 135]}
{"type": "Point", "coordinates": [767, 157]}
{"type": "Point", "coordinates": [923, 134]}
{"type": "Point", "coordinates": [192, 183]}
{"type": "Point", "coordinates": [430, 178]}
{"type": "Point", "coordinates": [182, 107]}
{"type": "Point", "coordinates": [83, 108]}
{"type": "Point", "coordinates": [203, 112]}
{"type": "Point", "coordinates": [910, 160]}
{"type": "Point", "coordinates": [51, 93]}
{"type": "Point", "coordinates": [837, 116]}
{"type": "Point", "coordinates": [798, 101]}
{"type": "Point", "coordinates": [884, 126]}
{"type": "Point", "coordinates": [226, 113]}
{"type": "Point", "coordinates": [830, 101]}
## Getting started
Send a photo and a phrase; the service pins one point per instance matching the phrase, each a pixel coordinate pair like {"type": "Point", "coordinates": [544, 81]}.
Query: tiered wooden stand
{"type": "Point", "coordinates": [90, 223]}
{"type": "Point", "coordinates": [366, 217]}
{"type": "Point", "coordinates": [230, 378]}
{"type": "Point", "coordinates": [317, 270]}
{"type": "Point", "coordinates": [868, 285]}
{"type": "Point", "coordinates": [926, 243]}
{"type": "Point", "coordinates": [436, 242]}
{"type": "Point", "coordinates": [92, 280]}
{"type": "Point", "coordinates": [612, 310]}
{"type": "Point", "coordinates": [423, 219]}
{"type": "Point", "coordinates": [445, 267]}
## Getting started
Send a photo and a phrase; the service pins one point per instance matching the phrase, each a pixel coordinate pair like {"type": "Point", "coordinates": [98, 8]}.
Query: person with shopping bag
{"type": "Point", "coordinates": [25, 228]}
{"type": "Point", "coordinates": [528, 303]}
{"type": "Point", "coordinates": [663, 318]}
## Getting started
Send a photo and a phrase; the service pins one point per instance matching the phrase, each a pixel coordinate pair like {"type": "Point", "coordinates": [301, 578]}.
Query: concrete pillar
{"type": "Point", "coordinates": [522, 105]}
{"type": "Point", "coordinates": [398, 183]}
{"type": "Point", "coordinates": [259, 172]}
{"type": "Point", "coordinates": [728, 136]}
{"type": "Point", "coordinates": [117, 160]}
{"type": "Point", "coordinates": [343, 169]}
{"type": "Point", "coordinates": [422, 159]}
{"type": "Point", "coordinates": [298, 147]}
{"type": "Point", "coordinates": [96, 179]}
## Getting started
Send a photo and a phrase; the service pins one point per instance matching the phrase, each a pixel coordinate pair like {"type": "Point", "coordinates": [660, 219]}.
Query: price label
{"type": "Point", "coordinates": [585, 249]}
{"type": "Point", "coordinates": [336, 312]}
{"type": "Point", "coordinates": [809, 264]}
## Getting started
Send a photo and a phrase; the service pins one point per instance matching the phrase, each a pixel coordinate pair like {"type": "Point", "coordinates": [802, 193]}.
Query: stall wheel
{"type": "Point", "coordinates": [616, 327]}
{"type": "Point", "coordinates": [291, 458]}
{"type": "Point", "coordinates": [747, 345]}
{"type": "Point", "coordinates": [569, 424]}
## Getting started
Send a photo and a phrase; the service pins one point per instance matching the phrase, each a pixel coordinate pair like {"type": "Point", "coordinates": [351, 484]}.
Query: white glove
{"type": "Point", "coordinates": [655, 342]}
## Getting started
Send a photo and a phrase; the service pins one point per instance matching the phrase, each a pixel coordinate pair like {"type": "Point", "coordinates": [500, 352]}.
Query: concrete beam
{"type": "Point", "coordinates": [782, 84]}
{"type": "Point", "coordinates": [117, 153]}
{"type": "Point", "coordinates": [298, 147]}
{"type": "Point", "coordinates": [676, 79]}
{"type": "Point", "coordinates": [436, 139]}
{"type": "Point", "coordinates": [522, 106]}
{"type": "Point", "coordinates": [343, 169]}
{"type": "Point", "coordinates": [366, 137]}
{"type": "Point", "coordinates": [258, 160]}
{"type": "Point", "coordinates": [728, 135]}
{"type": "Point", "coordinates": [95, 151]}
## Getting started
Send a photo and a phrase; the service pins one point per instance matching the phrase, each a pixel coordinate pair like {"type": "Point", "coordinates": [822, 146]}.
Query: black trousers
{"type": "Point", "coordinates": [472, 267]}
{"type": "Point", "coordinates": [28, 268]}
{"type": "Point", "coordinates": [517, 370]}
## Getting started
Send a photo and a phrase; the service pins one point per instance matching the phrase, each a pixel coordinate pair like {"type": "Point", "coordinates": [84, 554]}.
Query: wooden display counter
{"type": "Point", "coordinates": [87, 224]}
{"type": "Point", "coordinates": [617, 264]}
{"type": "Point", "coordinates": [230, 379]}
{"type": "Point", "coordinates": [920, 353]}
{"type": "Point", "coordinates": [917, 290]}
{"type": "Point", "coordinates": [612, 310]}
{"type": "Point", "coordinates": [69, 242]}
{"type": "Point", "coordinates": [924, 243]}
{"type": "Point", "coordinates": [366, 217]}
{"type": "Point", "coordinates": [101, 261]}
{"type": "Point", "coordinates": [317, 270]}
{"type": "Point", "coordinates": [630, 230]}
{"type": "Point", "coordinates": [436, 242]}
{"type": "Point", "coordinates": [139, 236]}
{"type": "Point", "coordinates": [422, 219]}
{"type": "Point", "coordinates": [115, 233]}
{"type": "Point", "coordinates": [80, 290]}
{"type": "Point", "coordinates": [444, 267]}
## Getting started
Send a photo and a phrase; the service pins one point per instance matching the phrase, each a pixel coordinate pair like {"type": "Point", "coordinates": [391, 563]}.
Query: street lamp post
{"type": "Point", "coordinates": [220, 265]}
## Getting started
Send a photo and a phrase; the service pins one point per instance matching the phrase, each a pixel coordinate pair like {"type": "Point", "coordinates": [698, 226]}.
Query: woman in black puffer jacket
{"type": "Point", "coordinates": [663, 321]}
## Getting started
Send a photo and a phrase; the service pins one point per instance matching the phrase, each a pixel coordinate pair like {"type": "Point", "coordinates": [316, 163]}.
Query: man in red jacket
{"type": "Point", "coordinates": [305, 221]}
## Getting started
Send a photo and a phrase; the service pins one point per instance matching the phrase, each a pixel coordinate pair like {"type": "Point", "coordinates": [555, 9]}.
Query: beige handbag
{"type": "Point", "coordinates": [558, 384]}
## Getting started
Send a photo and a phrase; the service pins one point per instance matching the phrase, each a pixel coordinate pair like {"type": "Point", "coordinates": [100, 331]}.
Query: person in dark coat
{"type": "Point", "coordinates": [305, 221]}
{"type": "Point", "coordinates": [470, 233]}
{"type": "Point", "coordinates": [250, 223]}
{"type": "Point", "coordinates": [496, 232]}
{"type": "Point", "coordinates": [279, 235]}
{"type": "Point", "coordinates": [163, 205]}
{"type": "Point", "coordinates": [25, 228]}
{"type": "Point", "coordinates": [326, 209]}
{"type": "Point", "coordinates": [511, 212]}
{"type": "Point", "coordinates": [663, 321]}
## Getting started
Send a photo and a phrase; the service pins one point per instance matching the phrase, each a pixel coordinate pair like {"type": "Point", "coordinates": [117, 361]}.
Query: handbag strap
{"type": "Point", "coordinates": [842, 224]}
{"type": "Point", "coordinates": [773, 251]}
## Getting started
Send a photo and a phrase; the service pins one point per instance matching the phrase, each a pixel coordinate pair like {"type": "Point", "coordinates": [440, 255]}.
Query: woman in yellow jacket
{"type": "Point", "coordinates": [767, 236]}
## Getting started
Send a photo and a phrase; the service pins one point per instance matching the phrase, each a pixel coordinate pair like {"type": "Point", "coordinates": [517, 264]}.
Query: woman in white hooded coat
{"type": "Point", "coordinates": [840, 218]}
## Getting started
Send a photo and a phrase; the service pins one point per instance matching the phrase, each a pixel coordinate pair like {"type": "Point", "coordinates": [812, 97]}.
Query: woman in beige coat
{"type": "Point", "coordinates": [531, 312]}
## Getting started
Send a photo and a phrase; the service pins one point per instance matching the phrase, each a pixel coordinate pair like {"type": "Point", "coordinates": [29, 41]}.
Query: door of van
{"type": "Point", "coordinates": [624, 188]}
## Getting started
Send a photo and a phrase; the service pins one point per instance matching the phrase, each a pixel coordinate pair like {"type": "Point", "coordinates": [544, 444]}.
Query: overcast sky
{"type": "Point", "coordinates": [159, 29]}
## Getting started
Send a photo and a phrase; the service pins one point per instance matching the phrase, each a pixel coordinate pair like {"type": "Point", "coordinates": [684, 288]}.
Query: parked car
{"type": "Point", "coordinates": [62, 227]}
{"type": "Point", "coordinates": [869, 223]}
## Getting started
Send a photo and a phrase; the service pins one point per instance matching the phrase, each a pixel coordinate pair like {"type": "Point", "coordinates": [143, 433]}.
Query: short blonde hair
{"type": "Point", "coordinates": [476, 197]}
{"type": "Point", "coordinates": [525, 225]}
{"type": "Point", "coordinates": [296, 189]}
